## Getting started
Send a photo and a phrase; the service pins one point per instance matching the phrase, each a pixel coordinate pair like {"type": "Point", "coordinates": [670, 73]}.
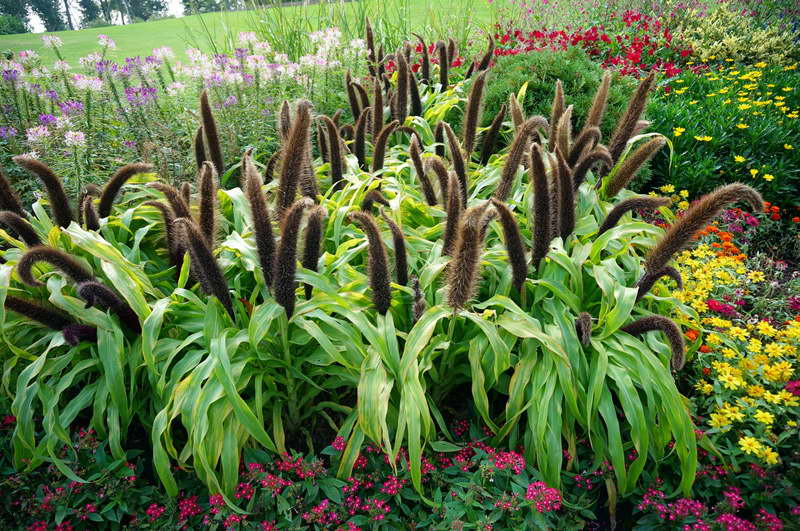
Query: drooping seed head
{"type": "Point", "coordinates": [114, 184]}
{"type": "Point", "coordinates": [90, 217]}
{"type": "Point", "coordinates": [647, 281]}
{"type": "Point", "coordinates": [174, 198]}
{"type": "Point", "coordinates": [49, 318]}
{"type": "Point", "coordinates": [20, 227]}
{"type": "Point", "coordinates": [399, 245]}
{"type": "Point", "coordinates": [515, 154]}
{"type": "Point", "coordinates": [211, 133]}
{"type": "Point", "coordinates": [632, 163]}
{"type": "Point", "coordinates": [639, 202]}
{"type": "Point", "coordinates": [100, 296]}
{"type": "Point", "coordinates": [59, 204]}
{"type": "Point", "coordinates": [9, 200]}
{"type": "Point", "coordinates": [378, 263]}
{"type": "Point", "coordinates": [514, 245]}
{"type": "Point", "coordinates": [58, 259]}
{"type": "Point", "coordinates": [670, 330]}
{"type": "Point", "coordinates": [599, 155]}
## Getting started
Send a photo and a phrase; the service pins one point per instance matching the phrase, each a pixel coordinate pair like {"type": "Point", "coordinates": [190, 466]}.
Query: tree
{"type": "Point", "coordinates": [10, 25]}
{"type": "Point", "coordinates": [89, 11]}
{"type": "Point", "coordinates": [144, 9]}
{"type": "Point", "coordinates": [49, 13]}
{"type": "Point", "coordinates": [68, 15]}
{"type": "Point", "coordinates": [202, 6]}
{"type": "Point", "coordinates": [15, 8]}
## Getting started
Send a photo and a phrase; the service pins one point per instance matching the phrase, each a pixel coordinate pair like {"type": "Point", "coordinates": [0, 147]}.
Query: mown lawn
{"type": "Point", "coordinates": [442, 17]}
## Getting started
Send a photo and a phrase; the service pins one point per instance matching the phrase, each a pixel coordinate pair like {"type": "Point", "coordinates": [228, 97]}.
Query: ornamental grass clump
{"type": "Point", "coordinates": [527, 286]}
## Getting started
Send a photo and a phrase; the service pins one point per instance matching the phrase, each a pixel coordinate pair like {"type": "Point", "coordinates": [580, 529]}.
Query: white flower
{"type": "Point", "coordinates": [51, 41]}
{"type": "Point", "coordinates": [75, 138]}
{"type": "Point", "coordinates": [34, 134]}
{"type": "Point", "coordinates": [63, 122]}
{"type": "Point", "coordinates": [61, 66]}
{"type": "Point", "coordinates": [247, 37]}
{"type": "Point", "coordinates": [262, 46]}
{"type": "Point", "coordinates": [94, 84]}
{"type": "Point", "coordinates": [106, 41]}
{"type": "Point", "coordinates": [175, 88]}
{"type": "Point", "coordinates": [165, 52]}
{"type": "Point", "coordinates": [90, 60]}
{"type": "Point", "coordinates": [194, 55]}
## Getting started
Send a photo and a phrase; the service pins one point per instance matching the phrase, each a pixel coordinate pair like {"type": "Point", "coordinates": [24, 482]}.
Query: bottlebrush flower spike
{"type": "Point", "coordinates": [352, 97]}
{"type": "Point", "coordinates": [286, 261]}
{"type": "Point", "coordinates": [203, 263]}
{"type": "Point", "coordinates": [399, 244]}
{"type": "Point", "coordinates": [486, 60]}
{"type": "Point", "coordinates": [586, 141]}
{"type": "Point", "coordinates": [438, 139]}
{"type": "Point", "coordinates": [462, 271]}
{"type": "Point", "coordinates": [401, 105]}
{"type": "Point", "coordinates": [698, 215]}
{"type": "Point", "coordinates": [598, 155]}
{"type": "Point", "coordinates": [517, 114]}
{"type": "Point", "coordinates": [262, 226]}
{"type": "Point", "coordinates": [472, 112]}
{"type": "Point", "coordinates": [284, 120]}
{"type": "Point", "coordinates": [59, 204]}
{"type": "Point", "coordinates": [40, 314]}
{"type": "Point", "coordinates": [437, 165]}
{"type": "Point", "coordinates": [377, 262]}
{"type": "Point", "coordinates": [451, 50]}
{"type": "Point", "coordinates": [415, 152]}
{"type": "Point", "coordinates": [413, 87]}
{"type": "Point", "coordinates": [583, 326]}
{"type": "Point", "coordinates": [555, 196]}
{"type": "Point", "coordinates": [58, 259]}
{"type": "Point", "coordinates": [322, 143]}
{"type": "Point", "coordinates": [360, 138]}
{"type": "Point", "coordinates": [74, 334]}
{"type": "Point", "coordinates": [632, 163]}
{"type": "Point", "coordinates": [372, 57]}
{"type": "Point", "coordinates": [639, 202]}
{"type": "Point", "coordinates": [377, 109]}
{"type": "Point", "coordinates": [556, 110]}
{"type": "Point", "coordinates": [419, 300]}
{"type": "Point", "coordinates": [459, 165]}
{"type": "Point", "coordinates": [372, 197]}
{"type": "Point", "coordinates": [175, 251]}
{"type": "Point", "coordinates": [425, 66]}
{"type": "Point", "coordinates": [670, 329]}
{"type": "Point", "coordinates": [564, 131]}
{"type": "Point", "coordinates": [515, 154]}
{"type": "Point", "coordinates": [115, 183]}
{"type": "Point", "coordinates": [514, 246]}
{"type": "Point", "coordinates": [647, 282]}
{"type": "Point", "coordinates": [490, 136]}
{"type": "Point", "coordinates": [444, 63]}
{"type": "Point", "coordinates": [294, 153]}
{"type": "Point", "coordinates": [211, 133]}
{"type": "Point", "coordinates": [269, 171]}
{"type": "Point", "coordinates": [334, 153]}
{"type": "Point", "coordinates": [598, 108]}
{"type": "Point", "coordinates": [174, 198]}
{"type": "Point", "coordinates": [100, 296]}
{"type": "Point", "coordinates": [541, 205]}
{"type": "Point", "coordinates": [9, 200]}
{"type": "Point", "coordinates": [20, 227]}
{"type": "Point", "coordinates": [361, 93]}
{"type": "Point", "coordinates": [313, 244]}
{"type": "Point", "coordinates": [199, 147]}
{"type": "Point", "coordinates": [207, 190]}
{"type": "Point", "coordinates": [379, 150]}
{"type": "Point", "coordinates": [566, 196]}
{"type": "Point", "coordinates": [627, 123]}
{"type": "Point", "coordinates": [454, 209]}
{"type": "Point", "coordinates": [90, 217]}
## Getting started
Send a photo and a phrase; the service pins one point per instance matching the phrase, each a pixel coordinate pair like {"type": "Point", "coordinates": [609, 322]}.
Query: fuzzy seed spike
{"type": "Point", "coordinates": [294, 154]}
{"type": "Point", "coordinates": [269, 171]}
{"type": "Point", "coordinates": [586, 141]}
{"type": "Point", "coordinates": [58, 259]}
{"type": "Point", "coordinates": [372, 197]}
{"type": "Point", "coordinates": [639, 202]}
{"type": "Point", "coordinates": [641, 125]}
{"type": "Point", "coordinates": [186, 192]}
{"type": "Point", "coordinates": [212, 135]}
{"type": "Point", "coordinates": [632, 163]}
{"type": "Point", "coordinates": [514, 246]}
{"type": "Point", "coordinates": [211, 278]}
{"type": "Point", "coordinates": [438, 138]}
{"type": "Point", "coordinates": [174, 252]}
{"type": "Point", "coordinates": [322, 143]}
{"type": "Point", "coordinates": [564, 131]}
{"type": "Point", "coordinates": [49, 318]}
{"type": "Point", "coordinates": [598, 109]}
{"type": "Point", "coordinates": [670, 330]}
{"type": "Point", "coordinates": [583, 326]}
{"type": "Point", "coordinates": [285, 120]}
{"type": "Point", "coordinates": [59, 204]}
{"type": "Point", "coordinates": [454, 209]}
{"type": "Point", "coordinates": [463, 269]}
{"type": "Point", "coordinates": [115, 183]}
{"type": "Point", "coordinates": [352, 97]}
{"type": "Point", "coordinates": [399, 244]}
{"type": "Point", "coordinates": [555, 196]}
{"type": "Point", "coordinates": [413, 87]}
{"type": "Point", "coordinates": [173, 197]}
{"type": "Point", "coordinates": [207, 190]}
{"type": "Point", "coordinates": [75, 334]}
{"type": "Point", "coordinates": [21, 227]}
{"type": "Point", "coordinates": [647, 282]}
{"type": "Point", "coordinates": [363, 97]}
{"type": "Point", "coordinates": [517, 114]}
{"type": "Point", "coordinates": [313, 244]}
{"type": "Point", "coordinates": [698, 215]}
{"type": "Point", "coordinates": [377, 109]}
{"type": "Point", "coordinates": [335, 153]}
{"type": "Point", "coordinates": [487, 57]}
{"type": "Point", "coordinates": [556, 110]}
{"type": "Point", "coordinates": [472, 112]}
{"type": "Point", "coordinates": [459, 165]}
{"type": "Point", "coordinates": [262, 226]}
{"type": "Point", "coordinates": [379, 150]}
{"type": "Point", "coordinates": [377, 261]}
{"type": "Point", "coordinates": [425, 67]}
{"type": "Point", "coordinates": [419, 300]}
{"type": "Point", "coordinates": [444, 64]}
{"type": "Point", "coordinates": [541, 205]}
{"type": "Point", "coordinates": [100, 296]}
{"type": "Point", "coordinates": [199, 148]}
{"type": "Point", "coordinates": [9, 200]}
{"type": "Point", "coordinates": [437, 165]}
{"type": "Point", "coordinates": [401, 106]}
{"type": "Point", "coordinates": [415, 153]}
{"type": "Point", "coordinates": [627, 123]}
{"type": "Point", "coordinates": [372, 57]}
{"type": "Point", "coordinates": [598, 155]}
{"type": "Point", "coordinates": [286, 262]}
{"type": "Point", "coordinates": [490, 136]}
{"type": "Point", "coordinates": [451, 50]}
{"type": "Point", "coordinates": [90, 217]}
{"type": "Point", "coordinates": [566, 197]}
{"type": "Point", "coordinates": [360, 138]}
{"type": "Point", "coordinates": [515, 154]}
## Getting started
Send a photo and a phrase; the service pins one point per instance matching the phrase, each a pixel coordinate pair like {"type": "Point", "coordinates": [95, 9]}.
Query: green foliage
{"type": "Point", "coordinates": [10, 24]}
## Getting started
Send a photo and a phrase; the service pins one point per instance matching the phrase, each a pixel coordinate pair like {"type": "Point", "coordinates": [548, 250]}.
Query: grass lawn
{"type": "Point", "coordinates": [392, 17]}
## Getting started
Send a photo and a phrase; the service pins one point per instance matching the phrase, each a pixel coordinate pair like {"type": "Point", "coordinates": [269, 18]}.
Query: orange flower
{"type": "Point", "coordinates": [705, 349]}
{"type": "Point", "coordinates": [716, 245]}
{"type": "Point", "coordinates": [775, 209]}
{"type": "Point", "coordinates": [796, 219]}
{"type": "Point", "coordinates": [725, 236]}
{"type": "Point", "coordinates": [776, 216]}
{"type": "Point", "coordinates": [691, 335]}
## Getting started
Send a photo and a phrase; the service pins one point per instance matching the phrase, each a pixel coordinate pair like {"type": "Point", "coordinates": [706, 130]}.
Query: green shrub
{"type": "Point", "coordinates": [10, 25]}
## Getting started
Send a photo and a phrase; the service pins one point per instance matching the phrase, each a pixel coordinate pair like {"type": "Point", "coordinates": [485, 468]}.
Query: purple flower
{"type": "Point", "coordinates": [47, 119]}
{"type": "Point", "coordinates": [7, 132]}
{"type": "Point", "coordinates": [138, 96]}
{"type": "Point", "coordinates": [52, 94]}
{"type": "Point", "coordinates": [230, 100]}
{"type": "Point", "coordinates": [71, 107]}
{"type": "Point", "coordinates": [130, 144]}
{"type": "Point", "coordinates": [152, 60]}
{"type": "Point", "coordinates": [214, 80]}
{"type": "Point", "coordinates": [794, 303]}
{"type": "Point", "coordinates": [241, 53]}
{"type": "Point", "coordinates": [134, 61]}
{"type": "Point", "coordinates": [105, 66]}
{"type": "Point", "coordinates": [10, 75]}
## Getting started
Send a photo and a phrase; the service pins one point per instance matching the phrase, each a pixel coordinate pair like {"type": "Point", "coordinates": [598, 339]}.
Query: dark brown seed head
{"type": "Point", "coordinates": [207, 190]}
{"type": "Point", "coordinates": [377, 109]}
{"type": "Point", "coordinates": [186, 192]}
{"type": "Point", "coordinates": [286, 262]}
{"type": "Point", "coordinates": [58, 259]}
{"type": "Point", "coordinates": [472, 112]}
{"type": "Point", "coordinates": [632, 163]}
{"type": "Point", "coordinates": [9, 200]}
{"type": "Point", "coordinates": [639, 202]}
{"type": "Point", "coordinates": [352, 97]}
{"type": "Point", "coordinates": [399, 244]}
{"type": "Point", "coordinates": [212, 135]}
{"type": "Point", "coordinates": [372, 197]}
{"type": "Point", "coordinates": [419, 300]}
{"type": "Point", "coordinates": [567, 197]}
{"type": "Point", "coordinates": [174, 252]}
{"type": "Point", "coordinates": [627, 123]}
{"type": "Point", "coordinates": [541, 205]}
{"type": "Point", "coordinates": [462, 271]}
{"type": "Point", "coordinates": [586, 141]}
{"type": "Point", "coordinates": [435, 164]}
{"type": "Point", "coordinates": [335, 153]}
{"type": "Point", "coordinates": [285, 120]}
{"type": "Point", "coordinates": [173, 197]}
{"type": "Point", "coordinates": [401, 105]}
{"type": "Point", "coordinates": [517, 114]}
{"type": "Point", "coordinates": [313, 244]}
{"type": "Point", "coordinates": [20, 227]}
{"type": "Point", "coordinates": [670, 329]}
{"type": "Point", "coordinates": [598, 155]}
{"type": "Point", "coordinates": [444, 64]}
{"type": "Point", "coordinates": [556, 110]}
{"type": "Point", "coordinates": [294, 154]}
{"type": "Point", "coordinates": [360, 138]}
{"type": "Point", "coordinates": [377, 262]}
{"type": "Point", "coordinates": [59, 205]}
{"type": "Point", "coordinates": [100, 296]}
{"type": "Point", "coordinates": [598, 109]}
{"type": "Point", "coordinates": [490, 136]}
{"type": "Point", "coordinates": [262, 226]}
{"type": "Point", "coordinates": [269, 171]}
{"type": "Point", "coordinates": [564, 131]}
{"type": "Point", "coordinates": [415, 152]}
{"type": "Point", "coordinates": [515, 154]}
{"type": "Point", "coordinates": [322, 143]}
{"type": "Point", "coordinates": [90, 217]}
{"type": "Point", "coordinates": [647, 282]}
{"type": "Point", "coordinates": [199, 148]}
{"type": "Point", "coordinates": [425, 67]}
{"type": "Point", "coordinates": [698, 215]}
{"type": "Point", "coordinates": [488, 56]}
{"type": "Point", "coordinates": [514, 245]}
{"type": "Point", "coordinates": [413, 87]}
{"type": "Point", "coordinates": [583, 326]}
{"type": "Point", "coordinates": [114, 184]}
{"type": "Point", "coordinates": [75, 334]}
{"type": "Point", "coordinates": [379, 151]}
{"type": "Point", "coordinates": [49, 318]}
{"type": "Point", "coordinates": [454, 209]}
{"type": "Point", "coordinates": [361, 93]}
{"type": "Point", "coordinates": [459, 165]}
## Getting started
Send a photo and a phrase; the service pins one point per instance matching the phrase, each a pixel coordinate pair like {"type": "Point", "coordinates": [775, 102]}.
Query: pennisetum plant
{"type": "Point", "coordinates": [211, 133]}
{"type": "Point", "coordinates": [378, 263]}
{"type": "Point", "coordinates": [59, 204]}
